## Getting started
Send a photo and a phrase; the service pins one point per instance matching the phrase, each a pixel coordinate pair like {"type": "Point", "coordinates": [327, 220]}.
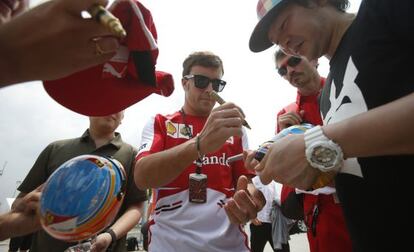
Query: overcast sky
{"type": "Point", "coordinates": [30, 119]}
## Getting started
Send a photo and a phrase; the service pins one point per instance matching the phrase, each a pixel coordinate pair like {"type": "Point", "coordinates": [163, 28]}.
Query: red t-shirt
{"type": "Point", "coordinates": [179, 225]}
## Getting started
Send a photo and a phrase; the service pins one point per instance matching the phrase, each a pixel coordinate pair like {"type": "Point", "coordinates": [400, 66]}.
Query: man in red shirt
{"type": "Point", "coordinates": [184, 157]}
{"type": "Point", "coordinates": [322, 212]}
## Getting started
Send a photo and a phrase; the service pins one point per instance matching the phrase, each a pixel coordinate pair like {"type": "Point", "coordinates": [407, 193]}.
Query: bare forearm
{"type": "Point", "coordinates": [161, 168]}
{"type": "Point", "coordinates": [7, 62]}
{"type": "Point", "coordinates": [16, 224]}
{"type": "Point", "coordinates": [127, 221]}
{"type": "Point", "coordinates": [385, 130]}
{"type": "Point", "coordinates": [3, 223]}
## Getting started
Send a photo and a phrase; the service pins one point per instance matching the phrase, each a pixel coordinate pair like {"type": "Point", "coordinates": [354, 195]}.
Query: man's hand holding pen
{"type": "Point", "coordinates": [65, 43]}
{"type": "Point", "coordinates": [221, 101]}
{"type": "Point", "coordinates": [223, 122]}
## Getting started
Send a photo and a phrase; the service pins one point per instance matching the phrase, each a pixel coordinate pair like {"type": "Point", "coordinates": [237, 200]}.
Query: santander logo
{"type": "Point", "coordinates": [215, 160]}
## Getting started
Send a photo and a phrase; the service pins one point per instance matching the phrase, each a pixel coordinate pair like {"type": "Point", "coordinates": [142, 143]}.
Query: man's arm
{"type": "Point", "coordinates": [160, 168]}
{"type": "Point", "coordinates": [18, 200]}
{"type": "Point", "coordinates": [23, 219]}
{"type": "Point", "coordinates": [121, 227]}
{"type": "Point", "coordinates": [385, 130]}
{"type": "Point", "coordinates": [367, 134]}
{"type": "Point", "coordinates": [53, 52]}
{"type": "Point", "coordinates": [14, 224]}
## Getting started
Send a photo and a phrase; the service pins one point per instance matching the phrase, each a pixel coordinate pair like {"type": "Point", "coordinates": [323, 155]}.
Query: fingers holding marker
{"type": "Point", "coordinates": [107, 19]}
{"type": "Point", "coordinates": [96, 8]}
{"type": "Point", "coordinates": [221, 101]}
{"type": "Point", "coordinates": [77, 6]}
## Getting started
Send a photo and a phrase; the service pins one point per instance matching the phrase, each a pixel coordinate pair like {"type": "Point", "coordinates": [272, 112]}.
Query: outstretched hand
{"type": "Point", "coordinates": [246, 202]}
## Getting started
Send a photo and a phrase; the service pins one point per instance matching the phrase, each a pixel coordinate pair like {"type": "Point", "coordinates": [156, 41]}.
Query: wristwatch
{"type": "Point", "coordinates": [321, 152]}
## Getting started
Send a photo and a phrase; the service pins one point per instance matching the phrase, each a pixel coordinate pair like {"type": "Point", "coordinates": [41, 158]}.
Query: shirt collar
{"type": "Point", "coordinates": [116, 141]}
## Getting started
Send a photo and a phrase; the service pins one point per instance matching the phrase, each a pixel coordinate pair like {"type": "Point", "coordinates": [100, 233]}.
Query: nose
{"type": "Point", "coordinates": [289, 45]}
{"type": "Point", "coordinates": [290, 69]}
{"type": "Point", "coordinates": [209, 86]}
{"type": "Point", "coordinates": [286, 47]}
{"type": "Point", "coordinates": [288, 74]}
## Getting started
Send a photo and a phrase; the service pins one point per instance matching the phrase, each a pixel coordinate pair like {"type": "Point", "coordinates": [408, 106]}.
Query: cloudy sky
{"type": "Point", "coordinates": [30, 119]}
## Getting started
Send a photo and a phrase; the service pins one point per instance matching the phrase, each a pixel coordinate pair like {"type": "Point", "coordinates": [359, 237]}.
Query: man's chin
{"type": "Point", "coordinates": [206, 108]}
{"type": "Point", "coordinates": [207, 104]}
{"type": "Point", "coordinates": [298, 85]}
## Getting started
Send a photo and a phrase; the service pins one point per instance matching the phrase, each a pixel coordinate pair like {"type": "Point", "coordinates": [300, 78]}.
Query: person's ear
{"type": "Point", "coordinates": [184, 83]}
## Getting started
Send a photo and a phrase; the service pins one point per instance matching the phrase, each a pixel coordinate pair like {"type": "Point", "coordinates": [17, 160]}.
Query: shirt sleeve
{"type": "Point", "coordinates": [38, 174]}
{"type": "Point", "coordinates": [133, 194]}
{"type": "Point", "coordinates": [152, 138]}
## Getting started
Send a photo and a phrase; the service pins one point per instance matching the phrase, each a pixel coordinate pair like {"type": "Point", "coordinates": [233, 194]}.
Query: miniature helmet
{"type": "Point", "coordinates": [82, 197]}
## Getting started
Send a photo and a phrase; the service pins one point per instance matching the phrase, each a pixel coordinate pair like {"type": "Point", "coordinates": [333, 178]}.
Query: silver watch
{"type": "Point", "coordinates": [321, 152]}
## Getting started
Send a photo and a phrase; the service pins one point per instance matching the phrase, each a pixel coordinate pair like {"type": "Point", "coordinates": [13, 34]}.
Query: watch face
{"type": "Point", "coordinates": [324, 156]}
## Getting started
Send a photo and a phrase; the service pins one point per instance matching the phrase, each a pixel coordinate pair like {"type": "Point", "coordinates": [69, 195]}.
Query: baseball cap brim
{"type": "Point", "coordinates": [259, 40]}
{"type": "Point", "coordinates": [87, 93]}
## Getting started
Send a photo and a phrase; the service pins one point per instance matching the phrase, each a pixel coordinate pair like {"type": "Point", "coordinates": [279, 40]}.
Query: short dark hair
{"type": "Point", "coordinates": [204, 59]}
{"type": "Point", "coordinates": [340, 5]}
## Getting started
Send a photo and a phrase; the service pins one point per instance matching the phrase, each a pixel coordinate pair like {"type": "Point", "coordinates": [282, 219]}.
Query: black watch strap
{"type": "Point", "coordinates": [113, 236]}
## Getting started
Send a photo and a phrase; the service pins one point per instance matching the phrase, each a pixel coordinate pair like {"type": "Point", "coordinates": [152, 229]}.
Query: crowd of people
{"type": "Point", "coordinates": [362, 115]}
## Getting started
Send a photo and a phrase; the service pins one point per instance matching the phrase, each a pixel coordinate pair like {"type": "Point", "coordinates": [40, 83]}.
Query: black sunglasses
{"type": "Point", "coordinates": [201, 82]}
{"type": "Point", "coordinates": [292, 62]}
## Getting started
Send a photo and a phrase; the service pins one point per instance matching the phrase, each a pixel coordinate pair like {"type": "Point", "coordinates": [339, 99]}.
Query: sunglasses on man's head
{"type": "Point", "coordinates": [201, 82]}
{"type": "Point", "coordinates": [292, 62]}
